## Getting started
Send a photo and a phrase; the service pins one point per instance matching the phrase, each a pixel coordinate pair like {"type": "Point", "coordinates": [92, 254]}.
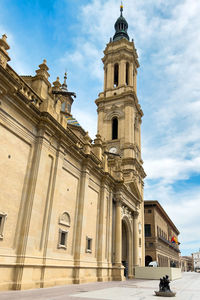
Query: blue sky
{"type": "Point", "coordinates": [72, 34]}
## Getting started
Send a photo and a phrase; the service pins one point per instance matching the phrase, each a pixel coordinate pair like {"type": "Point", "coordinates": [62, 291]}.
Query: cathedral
{"type": "Point", "coordinates": [71, 208]}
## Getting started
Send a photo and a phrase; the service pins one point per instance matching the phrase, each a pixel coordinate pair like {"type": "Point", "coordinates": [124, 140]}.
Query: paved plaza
{"type": "Point", "coordinates": [187, 288]}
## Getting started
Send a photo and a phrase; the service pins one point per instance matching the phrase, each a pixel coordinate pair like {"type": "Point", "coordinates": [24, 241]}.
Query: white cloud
{"type": "Point", "coordinates": [85, 57]}
{"type": "Point", "coordinates": [87, 121]}
{"type": "Point", "coordinates": [15, 52]}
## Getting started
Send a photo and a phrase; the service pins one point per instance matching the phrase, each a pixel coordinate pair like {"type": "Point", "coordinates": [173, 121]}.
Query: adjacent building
{"type": "Point", "coordinates": [186, 263]}
{"type": "Point", "coordinates": [196, 261]}
{"type": "Point", "coordinates": [71, 209]}
{"type": "Point", "coordinates": [159, 230]}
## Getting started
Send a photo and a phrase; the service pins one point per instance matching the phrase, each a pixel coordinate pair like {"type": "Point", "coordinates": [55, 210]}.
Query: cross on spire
{"type": "Point", "coordinates": [121, 8]}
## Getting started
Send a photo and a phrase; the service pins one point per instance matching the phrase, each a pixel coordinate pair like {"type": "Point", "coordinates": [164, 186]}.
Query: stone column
{"type": "Point", "coordinates": [82, 195]}
{"type": "Point", "coordinates": [122, 73]}
{"type": "Point", "coordinates": [135, 239]}
{"type": "Point", "coordinates": [135, 81]}
{"type": "Point", "coordinates": [118, 235]}
{"type": "Point", "coordinates": [131, 74]}
{"type": "Point", "coordinates": [105, 77]}
{"type": "Point", "coordinates": [110, 76]}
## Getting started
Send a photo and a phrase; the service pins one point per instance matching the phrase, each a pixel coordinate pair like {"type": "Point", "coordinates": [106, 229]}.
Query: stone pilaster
{"type": "Point", "coordinates": [122, 73]}
{"type": "Point", "coordinates": [118, 235]}
{"type": "Point", "coordinates": [101, 235]}
{"type": "Point", "coordinates": [131, 75]}
{"type": "Point", "coordinates": [135, 239]}
{"type": "Point", "coordinates": [79, 225]}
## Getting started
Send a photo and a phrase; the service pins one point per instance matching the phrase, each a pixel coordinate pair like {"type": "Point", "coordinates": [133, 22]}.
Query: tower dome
{"type": "Point", "coordinates": [121, 27]}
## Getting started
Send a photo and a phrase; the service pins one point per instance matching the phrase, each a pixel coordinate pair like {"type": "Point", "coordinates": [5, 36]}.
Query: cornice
{"type": "Point", "coordinates": [17, 85]}
{"type": "Point", "coordinates": [157, 205]}
{"type": "Point", "coordinates": [118, 55]}
{"type": "Point", "coordinates": [9, 80]}
{"type": "Point", "coordinates": [127, 98]}
{"type": "Point", "coordinates": [124, 194]}
{"type": "Point", "coordinates": [134, 162]}
{"type": "Point", "coordinates": [78, 128]}
{"type": "Point", "coordinates": [121, 46]}
{"type": "Point", "coordinates": [41, 77]}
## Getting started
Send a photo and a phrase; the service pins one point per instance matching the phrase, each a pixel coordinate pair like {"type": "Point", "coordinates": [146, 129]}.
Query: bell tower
{"type": "Point", "coordinates": [119, 112]}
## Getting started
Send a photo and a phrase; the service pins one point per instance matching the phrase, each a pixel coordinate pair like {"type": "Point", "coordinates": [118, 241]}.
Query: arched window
{"type": "Point", "coordinates": [127, 73]}
{"type": "Point", "coordinates": [64, 220]}
{"type": "Point", "coordinates": [114, 128]}
{"type": "Point", "coordinates": [116, 75]}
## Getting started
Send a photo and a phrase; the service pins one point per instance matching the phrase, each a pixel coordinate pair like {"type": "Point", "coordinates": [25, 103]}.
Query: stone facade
{"type": "Point", "coordinates": [71, 209]}
{"type": "Point", "coordinates": [196, 261]}
{"type": "Point", "coordinates": [159, 229]}
{"type": "Point", "coordinates": [186, 263]}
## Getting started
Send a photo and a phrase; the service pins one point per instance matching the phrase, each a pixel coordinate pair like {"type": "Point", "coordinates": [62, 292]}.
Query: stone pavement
{"type": "Point", "coordinates": [187, 288]}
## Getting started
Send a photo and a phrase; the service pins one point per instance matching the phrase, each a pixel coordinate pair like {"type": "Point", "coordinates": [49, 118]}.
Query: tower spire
{"type": "Point", "coordinates": [121, 27]}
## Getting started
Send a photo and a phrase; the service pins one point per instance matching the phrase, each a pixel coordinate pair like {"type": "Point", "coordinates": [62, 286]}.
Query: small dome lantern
{"type": "Point", "coordinates": [121, 27]}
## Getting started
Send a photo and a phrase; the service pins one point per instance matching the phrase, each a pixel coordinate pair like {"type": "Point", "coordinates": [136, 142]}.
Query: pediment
{"type": "Point", "coordinates": [133, 188]}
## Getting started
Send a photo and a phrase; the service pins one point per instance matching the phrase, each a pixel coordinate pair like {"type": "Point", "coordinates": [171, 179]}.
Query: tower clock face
{"type": "Point", "coordinates": [113, 150]}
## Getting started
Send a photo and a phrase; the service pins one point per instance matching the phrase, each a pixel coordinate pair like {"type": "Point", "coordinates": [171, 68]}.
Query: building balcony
{"type": "Point", "coordinates": [173, 246]}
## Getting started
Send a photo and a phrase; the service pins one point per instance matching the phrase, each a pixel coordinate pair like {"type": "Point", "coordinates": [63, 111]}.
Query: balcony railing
{"type": "Point", "coordinates": [169, 243]}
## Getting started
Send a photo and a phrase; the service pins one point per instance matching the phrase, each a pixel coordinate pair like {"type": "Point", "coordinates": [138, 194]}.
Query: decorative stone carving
{"type": "Point", "coordinates": [135, 214]}
{"type": "Point", "coordinates": [65, 219]}
{"type": "Point", "coordinates": [137, 121]}
{"type": "Point", "coordinates": [4, 58]}
{"type": "Point", "coordinates": [114, 111]}
{"type": "Point", "coordinates": [126, 212]}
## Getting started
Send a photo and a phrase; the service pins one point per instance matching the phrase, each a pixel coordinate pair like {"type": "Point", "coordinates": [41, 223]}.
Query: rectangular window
{"type": "Point", "coordinates": [88, 245]}
{"type": "Point", "coordinates": [140, 242]}
{"type": "Point", "coordinates": [63, 238]}
{"type": "Point", "coordinates": [2, 221]}
{"type": "Point", "coordinates": [147, 229]}
{"type": "Point", "coordinates": [149, 211]}
{"type": "Point", "coordinates": [62, 242]}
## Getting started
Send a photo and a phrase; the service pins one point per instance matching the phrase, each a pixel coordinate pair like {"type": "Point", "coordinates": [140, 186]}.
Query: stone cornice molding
{"type": "Point", "coordinates": [127, 197]}
{"type": "Point", "coordinates": [136, 164]}
{"type": "Point", "coordinates": [18, 86]}
{"type": "Point", "coordinates": [128, 97]}
{"type": "Point", "coordinates": [123, 46]}
{"type": "Point", "coordinates": [41, 77]}
{"type": "Point", "coordinates": [116, 56]}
